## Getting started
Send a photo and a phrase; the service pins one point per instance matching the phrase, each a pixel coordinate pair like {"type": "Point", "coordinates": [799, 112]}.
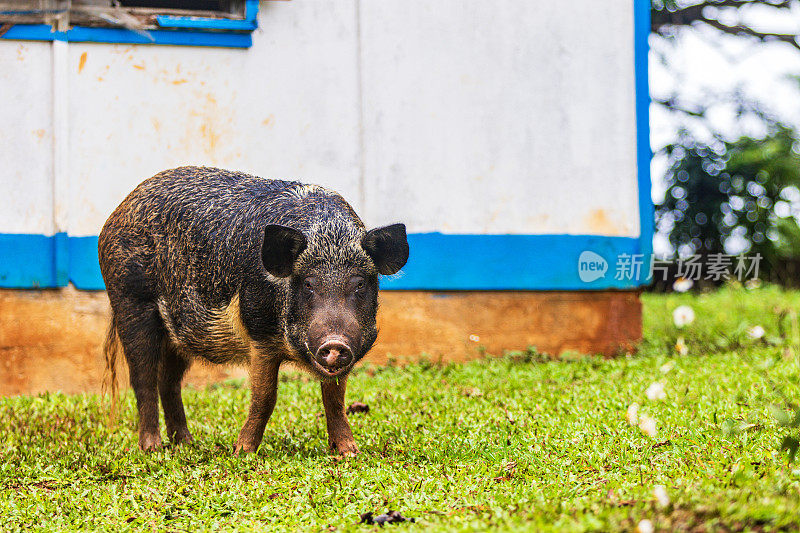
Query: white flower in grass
{"type": "Point", "coordinates": [756, 332]}
{"type": "Point", "coordinates": [660, 492]}
{"type": "Point", "coordinates": [645, 526]}
{"type": "Point", "coordinates": [680, 346]}
{"type": "Point", "coordinates": [655, 391]}
{"type": "Point", "coordinates": [648, 426]}
{"type": "Point", "coordinates": [632, 415]}
{"type": "Point", "coordinates": [666, 367]}
{"type": "Point", "coordinates": [682, 285]}
{"type": "Point", "coordinates": [683, 315]}
{"type": "Point", "coordinates": [752, 283]}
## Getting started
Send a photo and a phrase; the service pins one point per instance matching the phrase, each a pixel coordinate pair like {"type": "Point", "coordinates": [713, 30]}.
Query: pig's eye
{"type": "Point", "coordinates": [308, 286]}
{"type": "Point", "coordinates": [358, 284]}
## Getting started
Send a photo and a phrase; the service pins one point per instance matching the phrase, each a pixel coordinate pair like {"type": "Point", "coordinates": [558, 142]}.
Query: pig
{"type": "Point", "coordinates": [229, 268]}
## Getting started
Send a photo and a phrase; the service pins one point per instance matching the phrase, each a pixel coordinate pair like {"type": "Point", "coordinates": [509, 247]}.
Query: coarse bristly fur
{"type": "Point", "coordinates": [204, 263]}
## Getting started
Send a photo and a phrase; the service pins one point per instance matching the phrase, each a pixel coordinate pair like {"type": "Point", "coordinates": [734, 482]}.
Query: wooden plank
{"type": "Point", "coordinates": [99, 13]}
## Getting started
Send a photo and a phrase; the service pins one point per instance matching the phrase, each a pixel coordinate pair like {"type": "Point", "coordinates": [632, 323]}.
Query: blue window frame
{"type": "Point", "coordinates": [174, 30]}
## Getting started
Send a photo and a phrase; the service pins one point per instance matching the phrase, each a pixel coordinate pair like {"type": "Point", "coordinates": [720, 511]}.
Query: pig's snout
{"type": "Point", "coordinates": [334, 355]}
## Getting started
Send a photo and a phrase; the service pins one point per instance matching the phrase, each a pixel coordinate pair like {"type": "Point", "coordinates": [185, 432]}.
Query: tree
{"type": "Point", "coordinates": [723, 191]}
{"type": "Point", "coordinates": [744, 191]}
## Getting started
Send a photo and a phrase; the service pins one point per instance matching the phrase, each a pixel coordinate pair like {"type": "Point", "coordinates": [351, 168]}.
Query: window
{"type": "Point", "coordinates": [225, 6]}
{"type": "Point", "coordinates": [225, 22]}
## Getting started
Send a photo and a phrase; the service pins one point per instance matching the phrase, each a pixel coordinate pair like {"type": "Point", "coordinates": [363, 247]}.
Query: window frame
{"type": "Point", "coordinates": [181, 30]}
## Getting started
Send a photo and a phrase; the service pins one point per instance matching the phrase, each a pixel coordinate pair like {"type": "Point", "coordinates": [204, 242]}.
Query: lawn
{"type": "Point", "coordinates": [517, 442]}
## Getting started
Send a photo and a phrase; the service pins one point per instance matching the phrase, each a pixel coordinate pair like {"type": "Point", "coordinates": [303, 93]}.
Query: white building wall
{"type": "Point", "coordinates": [501, 117]}
{"type": "Point", "coordinates": [26, 138]}
{"type": "Point", "coordinates": [456, 116]}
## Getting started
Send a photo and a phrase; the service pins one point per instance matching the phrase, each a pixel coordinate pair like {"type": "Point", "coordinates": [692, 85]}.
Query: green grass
{"type": "Point", "coordinates": [511, 443]}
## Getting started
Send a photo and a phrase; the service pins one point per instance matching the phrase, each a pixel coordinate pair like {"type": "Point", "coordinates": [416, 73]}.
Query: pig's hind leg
{"type": "Point", "coordinates": [142, 336]}
{"type": "Point", "coordinates": [170, 373]}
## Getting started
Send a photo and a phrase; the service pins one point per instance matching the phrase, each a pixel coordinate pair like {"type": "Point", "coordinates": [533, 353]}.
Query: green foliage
{"type": "Point", "coordinates": [518, 442]}
{"type": "Point", "coordinates": [732, 189]}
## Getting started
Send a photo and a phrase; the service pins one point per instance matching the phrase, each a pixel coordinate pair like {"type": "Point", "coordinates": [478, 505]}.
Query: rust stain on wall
{"type": "Point", "coordinates": [536, 221]}
{"type": "Point", "coordinates": [209, 128]}
{"type": "Point", "coordinates": [82, 62]}
{"type": "Point", "coordinates": [600, 223]}
{"type": "Point", "coordinates": [209, 134]}
{"type": "Point", "coordinates": [52, 339]}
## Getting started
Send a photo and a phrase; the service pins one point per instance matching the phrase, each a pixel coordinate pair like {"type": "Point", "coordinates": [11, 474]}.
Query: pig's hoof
{"type": "Point", "coordinates": [245, 447]}
{"type": "Point", "coordinates": [345, 449]}
{"type": "Point", "coordinates": [149, 442]}
{"type": "Point", "coordinates": [182, 437]}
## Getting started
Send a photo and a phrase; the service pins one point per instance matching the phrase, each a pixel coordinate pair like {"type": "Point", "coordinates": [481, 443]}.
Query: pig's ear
{"type": "Point", "coordinates": [388, 247]}
{"type": "Point", "coordinates": [281, 247]}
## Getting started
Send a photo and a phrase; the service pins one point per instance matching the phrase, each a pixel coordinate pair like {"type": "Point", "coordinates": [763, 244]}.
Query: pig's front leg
{"type": "Point", "coordinates": [264, 388]}
{"type": "Point", "coordinates": [340, 437]}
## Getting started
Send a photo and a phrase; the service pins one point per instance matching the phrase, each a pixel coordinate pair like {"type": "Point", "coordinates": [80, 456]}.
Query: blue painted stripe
{"type": "Point", "coordinates": [61, 263]}
{"type": "Point", "coordinates": [437, 262]}
{"type": "Point", "coordinates": [84, 264]}
{"type": "Point", "coordinates": [249, 23]}
{"type": "Point", "coordinates": [29, 261]}
{"type": "Point", "coordinates": [644, 152]}
{"type": "Point", "coordinates": [41, 32]}
{"type": "Point", "coordinates": [508, 262]}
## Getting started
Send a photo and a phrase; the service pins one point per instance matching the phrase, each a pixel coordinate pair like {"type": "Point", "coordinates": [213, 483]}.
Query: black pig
{"type": "Point", "coordinates": [231, 268]}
